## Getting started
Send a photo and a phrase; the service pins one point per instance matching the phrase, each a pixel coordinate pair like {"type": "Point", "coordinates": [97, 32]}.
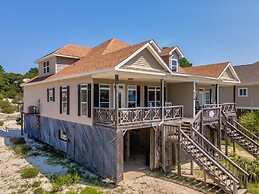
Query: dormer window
{"type": "Point", "coordinates": [46, 67]}
{"type": "Point", "coordinates": [174, 63]}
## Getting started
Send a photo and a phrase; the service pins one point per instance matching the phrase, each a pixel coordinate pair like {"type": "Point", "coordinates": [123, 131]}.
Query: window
{"type": "Point", "coordinates": [51, 94]}
{"type": "Point", "coordinates": [174, 64]}
{"type": "Point", "coordinates": [62, 135]}
{"type": "Point", "coordinates": [64, 99]}
{"type": "Point", "coordinates": [153, 96]}
{"type": "Point", "coordinates": [242, 92]}
{"type": "Point", "coordinates": [104, 95]}
{"type": "Point", "coordinates": [46, 67]}
{"type": "Point", "coordinates": [132, 96]}
{"type": "Point", "coordinates": [83, 98]}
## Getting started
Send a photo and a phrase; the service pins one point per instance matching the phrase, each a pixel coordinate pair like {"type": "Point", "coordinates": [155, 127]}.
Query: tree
{"type": "Point", "coordinates": [33, 72]}
{"type": "Point", "coordinates": [184, 62]}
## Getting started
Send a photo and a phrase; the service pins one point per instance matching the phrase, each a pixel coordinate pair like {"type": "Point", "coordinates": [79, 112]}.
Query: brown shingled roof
{"type": "Point", "coordinates": [248, 73]}
{"type": "Point", "coordinates": [211, 70]}
{"type": "Point", "coordinates": [166, 51]}
{"type": "Point", "coordinates": [72, 50]}
{"type": "Point", "coordinates": [114, 52]}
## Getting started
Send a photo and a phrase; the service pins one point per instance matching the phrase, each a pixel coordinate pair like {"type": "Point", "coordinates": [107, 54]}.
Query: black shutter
{"type": "Point", "coordinates": [210, 96]}
{"type": "Point", "coordinates": [165, 95]}
{"type": "Point", "coordinates": [138, 96]}
{"type": "Point", "coordinates": [79, 99]}
{"type": "Point", "coordinates": [47, 95]}
{"type": "Point", "coordinates": [89, 99]}
{"type": "Point", "coordinates": [96, 95]}
{"type": "Point", "coordinates": [146, 96]}
{"type": "Point", "coordinates": [60, 100]}
{"type": "Point", "coordinates": [53, 89]}
{"type": "Point", "coordinates": [68, 100]}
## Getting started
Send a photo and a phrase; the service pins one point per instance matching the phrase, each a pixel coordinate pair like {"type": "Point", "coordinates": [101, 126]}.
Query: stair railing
{"type": "Point", "coordinates": [214, 152]}
{"type": "Point", "coordinates": [190, 145]}
{"type": "Point", "coordinates": [247, 132]}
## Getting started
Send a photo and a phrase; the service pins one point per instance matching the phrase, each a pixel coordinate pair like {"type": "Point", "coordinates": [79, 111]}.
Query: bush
{"type": "Point", "coordinates": [29, 172]}
{"type": "Point", "coordinates": [8, 110]}
{"type": "Point", "coordinates": [90, 190]}
{"type": "Point", "coordinates": [4, 104]}
{"type": "Point", "coordinates": [38, 191]}
{"type": "Point", "coordinates": [36, 184]}
{"type": "Point", "coordinates": [17, 140]}
{"type": "Point", "coordinates": [21, 149]}
{"type": "Point", "coordinates": [1, 123]}
{"type": "Point", "coordinates": [250, 120]}
{"type": "Point", "coordinates": [16, 99]}
{"type": "Point", "coordinates": [57, 181]}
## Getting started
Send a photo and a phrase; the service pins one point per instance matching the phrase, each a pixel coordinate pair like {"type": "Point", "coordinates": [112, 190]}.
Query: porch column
{"type": "Point", "coordinates": [116, 105]}
{"type": "Point", "coordinates": [217, 94]}
{"type": "Point", "coordinates": [162, 85]}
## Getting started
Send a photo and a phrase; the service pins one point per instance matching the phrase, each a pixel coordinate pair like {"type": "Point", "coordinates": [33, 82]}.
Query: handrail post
{"type": "Point", "coordinates": [219, 129]}
{"type": "Point", "coordinates": [246, 182]}
{"type": "Point", "coordinates": [191, 135]}
{"type": "Point", "coordinates": [179, 151]}
{"type": "Point", "coordinates": [116, 82]}
{"type": "Point", "coordinates": [235, 188]}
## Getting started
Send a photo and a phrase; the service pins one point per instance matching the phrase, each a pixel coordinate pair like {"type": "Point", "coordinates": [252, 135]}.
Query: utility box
{"type": "Point", "coordinates": [32, 110]}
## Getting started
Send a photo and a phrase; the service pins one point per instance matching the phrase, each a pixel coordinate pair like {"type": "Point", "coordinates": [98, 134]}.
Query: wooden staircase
{"type": "Point", "coordinates": [243, 137]}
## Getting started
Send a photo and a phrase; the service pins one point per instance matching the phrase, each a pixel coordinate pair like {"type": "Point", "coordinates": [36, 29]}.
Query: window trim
{"type": "Point", "coordinates": [64, 88]}
{"type": "Point", "coordinates": [242, 96]}
{"type": "Point", "coordinates": [136, 89]}
{"type": "Point", "coordinates": [109, 89]}
{"type": "Point", "coordinates": [46, 66]}
{"type": "Point", "coordinates": [81, 103]}
{"type": "Point", "coordinates": [62, 135]}
{"type": "Point", "coordinates": [148, 89]}
{"type": "Point", "coordinates": [50, 90]}
{"type": "Point", "coordinates": [171, 64]}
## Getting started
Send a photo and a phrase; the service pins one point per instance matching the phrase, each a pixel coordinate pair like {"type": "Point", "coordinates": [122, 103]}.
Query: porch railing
{"type": "Point", "coordinates": [227, 108]}
{"type": "Point", "coordinates": [133, 116]}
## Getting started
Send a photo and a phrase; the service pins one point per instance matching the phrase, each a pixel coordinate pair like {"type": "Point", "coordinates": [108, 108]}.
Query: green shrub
{"type": "Point", "coordinates": [36, 184]}
{"type": "Point", "coordinates": [250, 120]}
{"type": "Point", "coordinates": [253, 188]}
{"type": "Point", "coordinates": [16, 99]}
{"type": "Point", "coordinates": [90, 190]}
{"type": "Point", "coordinates": [39, 191]}
{"type": "Point", "coordinates": [8, 110]}
{"type": "Point", "coordinates": [4, 104]}
{"type": "Point", "coordinates": [21, 149]}
{"type": "Point", "coordinates": [17, 140]}
{"type": "Point", "coordinates": [70, 178]}
{"type": "Point", "coordinates": [1, 123]}
{"type": "Point", "coordinates": [71, 192]}
{"type": "Point", "coordinates": [29, 172]}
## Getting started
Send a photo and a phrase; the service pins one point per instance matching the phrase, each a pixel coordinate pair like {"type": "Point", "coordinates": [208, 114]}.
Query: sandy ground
{"type": "Point", "coordinates": [11, 181]}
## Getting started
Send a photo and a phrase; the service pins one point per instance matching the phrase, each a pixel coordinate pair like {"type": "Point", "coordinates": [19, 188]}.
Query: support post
{"type": "Point", "coordinates": [162, 84]}
{"type": "Point", "coordinates": [179, 151]}
{"type": "Point", "coordinates": [219, 129]}
{"type": "Point", "coordinates": [22, 123]}
{"type": "Point", "coordinates": [217, 94]}
{"type": "Point", "coordinates": [152, 149]}
{"type": "Point", "coordinates": [162, 91]}
{"type": "Point", "coordinates": [116, 83]}
{"type": "Point", "coordinates": [205, 176]}
{"type": "Point", "coordinates": [226, 140]}
{"type": "Point", "coordinates": [127, 145]}
{"type": "Point", "coordinates": [191, 158]}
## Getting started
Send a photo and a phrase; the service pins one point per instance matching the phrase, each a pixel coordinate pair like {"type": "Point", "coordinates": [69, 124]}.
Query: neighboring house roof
{"type": "Point", "coordinates": [211, 70]}
{"type": "Point", "coordinates": [248, 73]}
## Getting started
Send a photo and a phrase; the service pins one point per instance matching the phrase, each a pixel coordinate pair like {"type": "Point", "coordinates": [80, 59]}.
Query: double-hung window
{"type": "Point", "coordinates": [242, 92]}
{"type": "Point", "coordinates": [207, 97]}
{"type": "Point", "coordinates": [132, 96]}
{"type": "Point", "coordinates": [51, 95]}
{"type": "Point", "coordinates": [174, 64]}
{"type": "Point", "coordinates": [104, 95]}
{"type": "Point", "coordinates": [83, 98]}
{"type": "Point", "coordinates": [154, 96]}
{"type": "Point", "coordinates": [46, 66]}
{"type": "Point", "coordinates": [64, 99]}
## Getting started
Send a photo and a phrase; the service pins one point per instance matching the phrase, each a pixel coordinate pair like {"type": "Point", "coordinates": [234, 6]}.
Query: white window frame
{"type": "Point", "coordinates": [64, 88]}
{"type": "Point", "coordinates": [51, 95]}
{"type": "Point", "coordinates": [62, 135]}
{"type": "Point", "coordinates": [241, 95]}
{"type": "Point", "coordinates": [83, 87]}
{"type": "Point", "coordinates": [207, 92]}
{"type": "Point", "coordinates": [46, 66]}
{"type": "Point", "coordinates": [134, 89]}
{"type": "Point", "coordinates": [155, 89]}
{"type": "Point", "coordinates": [109, 89]}
{"type": "Point", "coordinates": [171, 63]}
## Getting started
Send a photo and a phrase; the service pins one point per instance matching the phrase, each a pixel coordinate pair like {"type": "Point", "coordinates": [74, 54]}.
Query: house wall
{"type": "Point", "coordinates": [182, 94]}
{"type": "Point", "coordinates": [226, 94]}
{"type": "Point", "coordinates": [253, 97]}
{"type": "Point", "coordinates": [52, 68]}
{"type": "Point", "coordinates": [63, 62]}
{"type": "Point", "coordinates": [35, 93]}
{"type": "Point", "coordinates": [92, 147]}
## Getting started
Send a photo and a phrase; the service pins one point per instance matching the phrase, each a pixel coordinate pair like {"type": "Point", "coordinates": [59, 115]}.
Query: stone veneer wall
{"type": "Point", "coordinates": [92, 147]}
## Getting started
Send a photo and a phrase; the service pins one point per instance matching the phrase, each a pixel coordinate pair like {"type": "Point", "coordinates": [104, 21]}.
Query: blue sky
{"type": "Point", "coordinates": [206, 31]}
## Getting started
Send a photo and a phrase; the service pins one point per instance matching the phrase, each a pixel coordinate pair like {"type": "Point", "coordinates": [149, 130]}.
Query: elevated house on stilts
{"type": "Point", "coordinates": [107, 105]}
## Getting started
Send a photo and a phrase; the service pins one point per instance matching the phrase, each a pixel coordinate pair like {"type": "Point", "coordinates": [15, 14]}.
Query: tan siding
{"type": "Point", "coordinates": [63, 62]}
{"type": "Point", "coordinates": [226, 94]}
{"type": "Point", "coordinates": [34, 93]}
{"type": "Point", "coordinates": [253, 97]}
{"type": "Point", "coordinates": [144, 61]}
{"type": "Point", "coordinates": [182, 94]}
{"type": "Point", "coordinates": [52, 68]}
